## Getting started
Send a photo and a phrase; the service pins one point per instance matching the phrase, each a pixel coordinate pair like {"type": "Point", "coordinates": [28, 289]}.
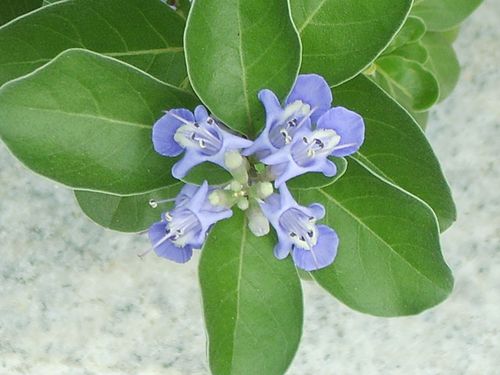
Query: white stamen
{"type": "Point", "coordinates": [154, 203]}
{"type": "Point", "coordinates": [183, 120]}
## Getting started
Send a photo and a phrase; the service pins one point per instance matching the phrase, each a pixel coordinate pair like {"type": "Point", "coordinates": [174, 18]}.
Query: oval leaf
{"type": "Point", "coordinates": [412, 51]}
{"type": "Point", "coordinates": [441, 15]}
{"type": "Point", "coordinates": [87, 135]}
{"type": "Point", "coordinates": [341, 38]}
{"type": "Point", "coordinates": [407, 81]}
{"type": "Point", "coordinates": [144, 33]}
{"type": "Point", "coordinates": [252, 302]}
{"type": "Point", "coordinates": [412, 31]}
{"type": "Point", "coordinates": [395, 147]}
{"type": "Point", "coordinates": [236, 48]}
{"type": "Point", "coordinates": [442, 62]}
{"type": "Point", "coordinates": [131, 213]}
{"type": "Point", "coordinates": [389, 261]}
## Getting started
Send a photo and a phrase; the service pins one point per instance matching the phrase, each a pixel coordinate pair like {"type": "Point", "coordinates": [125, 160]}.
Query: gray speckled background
{"type": "Point", "coordinates": [75, 299]}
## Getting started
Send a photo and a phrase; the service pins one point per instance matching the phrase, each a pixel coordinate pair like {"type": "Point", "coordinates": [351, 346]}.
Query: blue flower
{"type": "Point", "coordinates": [312, 246]}
{"type": "Point", "coordinates": [339, 132]}
{"type": "Point", "coordinates": [309, 98]}
{"type": "Point", "coordinates": [198, 135]}
{"type": "Point", "coordinates": [185, 227]}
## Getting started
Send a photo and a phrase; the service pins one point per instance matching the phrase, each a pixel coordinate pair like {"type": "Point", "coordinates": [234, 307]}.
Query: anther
{"type": "Point", "coordinates": [168, 217]}
{"type": "Point", "coordinates": [154, 203]}
{"type": "Point", "coordinates": [319, 143]}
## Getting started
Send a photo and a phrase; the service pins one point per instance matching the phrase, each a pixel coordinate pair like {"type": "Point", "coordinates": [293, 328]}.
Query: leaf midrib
{"type": "Point", "coordinates": [156, 51]}
{"type": "Point", "coordinates": [243, 67]}
{"type": "Point", "coordinates": [93, 117]}
{"type": "Point", "coordinates": [311, 16]}
{"type": "Point", "coordinates": [364, 225]}
{"type": "Point", "coordinates": [238, 285]}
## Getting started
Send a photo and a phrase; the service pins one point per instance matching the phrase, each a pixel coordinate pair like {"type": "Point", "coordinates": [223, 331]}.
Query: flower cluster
{"type": "Point", "coordinates": [299, 136]}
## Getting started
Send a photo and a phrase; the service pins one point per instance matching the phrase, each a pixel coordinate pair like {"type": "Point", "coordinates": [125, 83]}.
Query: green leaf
{"type": "Point", "coordinates": [64, 123]}
{"type": "Point", "coordinates": [395, 148]}
{"type": "Point", "coordinates": [341, 38]}
{"type": "Point", "coordinates": [407, 81]}
{"type": "Point", "coordinates": [252, 302]}
{"type": "Point", "coordinates": [421, 118]}
{"type": "Point", "coordinates": [183, 7]}
{"type": "Point", "coordinates": [48, 2]}
{"type": "Point", "coordinates": [442, 62]}
{"type": "Point", "coordinates": [236, 48]}
{"type": "Point", "coordinates": [144, 33]}
{"type": "Point", "coordinates": [389, 261]}
{"type": "Point", "coordinates": [441, 15]}
{"type": "Point", "coordinates": [451, 35]}
{"type": "Point", "coordinates": [412, 31]}
{"type": "Point", "coordinates": [11, 9]}
{"type": "Point", "coordinates": [315, 180]}
{"type": "Point", "coordinates": [130, 213]}
{"type": "Point", "coordinates": [210, 172]}
{"type": "Point", "coordinates": [412, 51]}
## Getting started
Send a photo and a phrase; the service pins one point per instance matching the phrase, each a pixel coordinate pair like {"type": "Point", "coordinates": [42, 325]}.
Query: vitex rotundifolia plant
{"type": "Point", "coordinates": [278, 139]}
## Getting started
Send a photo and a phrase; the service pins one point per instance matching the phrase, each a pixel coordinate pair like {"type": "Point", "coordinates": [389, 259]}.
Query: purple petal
{"type": "Point", "coordinates": [234, 142]}
{"type": "Point", "coordinates": [200, 113]}
{"type": "Point", "coordinates": [187, 191]}
{"type": "Point", "coordinates": [198, 198]}
{"type": "Point", "coordinates": [322, 255]}
{"type": "Point", "coordinates": [177, 254]}
{"type": "Point", "coordinates": [313, 90]}
{"type": "Point", "coordinates": [348, 125]}
{"type": "Point", "coordinates": [271, 103]}
{"type": "Point", "coordinates": [317, 210]}
{"type": "Point", "coordinates": [290, 172]}
{"type": "Point", "coordinates": [282, 249]}
{"type": "Point", "coordinates": [279, 157]}
{"type": "Point", "coordinates": [286, 199]}
{"type": "Point", "coordinates": [329, 169]}
{"type": "Point", "coordinates": [167, 249]}
{"type": "Point", "coordinates": [182, 167]}
{"type": "Point", "coordinates": [164, 130]}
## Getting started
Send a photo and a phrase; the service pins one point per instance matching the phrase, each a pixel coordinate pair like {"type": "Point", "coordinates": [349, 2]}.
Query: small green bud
{"type": "Point", "coordinates": [243, 204]}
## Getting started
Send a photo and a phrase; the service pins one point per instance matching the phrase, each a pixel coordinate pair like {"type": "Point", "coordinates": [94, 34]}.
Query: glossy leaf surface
{"type": "Point", "coordinates": [252, 302]}
{"type": "Point", "coordinates": [389, 261]}
{"type": "Point", "coordinates": [441, 15]}
{"type": "Point", "coordinates": [442, 62]}
{"type": "Point", "coordinates": [340, 38]}
{"type": "Point", "coordinates": [144, 33]}
{"type": "Point", "coordinates": [412, 31]}
{"type": "Point", "coordinates": [10, 9]}
{"type": "Point", "coordinates": [236, 48]}
{"type": "Point", "coordinates": [407, 81]}
{"type": "Point", "coordinates": [130, 213]}
{"type": "Point", "coordinates": [395, 147]}
{"type": "Point", "coordinates": [87, 135]}
{"type": "Point", "coordinates": [412, 51]}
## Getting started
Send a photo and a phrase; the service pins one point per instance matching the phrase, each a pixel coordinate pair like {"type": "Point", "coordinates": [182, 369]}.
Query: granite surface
{"type": "Point", "coordinates": [75, 299]}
